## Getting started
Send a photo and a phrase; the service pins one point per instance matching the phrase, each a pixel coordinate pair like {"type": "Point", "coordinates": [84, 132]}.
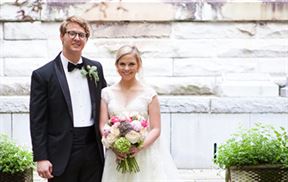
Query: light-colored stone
{"type": "Point", "coordinates": [248, 89]}
{"type": "Point", "coordinates": [255, 10]}
{"type": "Point", "coordinates": [202, 175]}
{"type": "Point", "coordinates": [14, 85]}
{"type": "Point", "coordinates": [25, 49]}
{"type": "Point", "coordinates": [24, 31]}
{"type": "Point", "coordinates": [213, 66]}
{"type": "Point", "coordinates": [54, 47]}
{"type": "Point", "coordinates": [21, 129]}
{"type": "Point", "coordinates": [185, 104]}
{"type": "Point", "coordinates": [277, 66]}
{"type": "Point", "coordinates": [198, 48]}
{"type": "Point", "coordinates": [194, 135]}
{"type": "Point", "coordinates": [1, 67]}
{"type": "Point", "coordinates": [1, 48]}
{"type": "Point", "coordinates": [228, 30]}
{"type": "Point", "coordinates": [1, 32]}
{"type": "Point", "coordinates": [273, 119]}
{"type": "Point", "coordinates": [249, 105]}
{"type": "Point", "coordinates": [182, 104]}
{"type": "Point", "coordinates": [22, 66]}
{"type": "Point", "coordinates": [182, 85]}
{"type": "Point", "coordinates": [8, 11]}
{"type": "Point", "coordinates": [5, 124]}
{"type": "Point", "coordinates": [131, 29]}
{"type": "Point", "coordinates": [14, 104]}
{"type": "Point", "coordinates": [135, 11]}
{"type": "Point", "coordinates": [166, 130]}
{"type": "Point", "coordinates": [52, 30]}
{"type": "Point", "coordinates": [284, 92]}
{"type": "Point", "coordinates": [247, 84]}
{"type": "Point", "coordinates": [175, 85]}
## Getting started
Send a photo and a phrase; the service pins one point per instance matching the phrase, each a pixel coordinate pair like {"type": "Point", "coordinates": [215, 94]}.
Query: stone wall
{"type": "Point", "coordinates": [215, 64]}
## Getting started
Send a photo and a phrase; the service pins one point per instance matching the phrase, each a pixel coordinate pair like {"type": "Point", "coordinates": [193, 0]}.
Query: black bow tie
{"type": "Point", "coordinates": [72, 66]}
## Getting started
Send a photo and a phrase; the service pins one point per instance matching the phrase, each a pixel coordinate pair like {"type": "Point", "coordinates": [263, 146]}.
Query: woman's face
{"type": "Point", "coordinates": [127, 67]}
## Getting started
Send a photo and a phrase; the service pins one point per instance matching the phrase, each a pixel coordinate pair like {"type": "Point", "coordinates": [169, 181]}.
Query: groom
{"type": "Point", "coordinates": [64, 111]}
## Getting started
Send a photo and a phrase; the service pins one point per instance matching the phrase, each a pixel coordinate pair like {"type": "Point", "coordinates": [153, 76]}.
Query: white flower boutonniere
{"type": "Point", "coordinates": [90, 72]}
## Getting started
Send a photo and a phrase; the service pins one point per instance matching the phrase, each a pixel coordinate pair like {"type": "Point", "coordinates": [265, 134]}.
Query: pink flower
{"type": "Point", "coordinates": [114, 119]}
{"type": "Point", "coordinates": [144, 123]}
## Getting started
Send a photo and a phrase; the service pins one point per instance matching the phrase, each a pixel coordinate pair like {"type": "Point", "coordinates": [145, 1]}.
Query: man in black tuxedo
{"type": "Point", "coordinates": [64, 111]}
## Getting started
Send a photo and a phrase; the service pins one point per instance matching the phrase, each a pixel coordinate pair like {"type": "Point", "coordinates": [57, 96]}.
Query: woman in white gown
{"type": "Point", "coordinates": [130, 95]}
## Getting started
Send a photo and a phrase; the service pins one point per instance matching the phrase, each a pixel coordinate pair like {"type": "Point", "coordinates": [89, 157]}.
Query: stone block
{"type": "Point", "coordinates": [17, 67]}
{"type": "Point", "coordinates": [229, 30]}
{"type": "Point", "coordinates": [14, 104]}
{"type": "Point", "coordinates": [1, 67]}
{"type": "Point", "coordinates": [194, 135]}
{"type": "Point", "coordinates": [249, 105]}
{"type": "Point", "coordinates": [255, 10]}
{"type": "Point", "coordinates": [192, 48]}
{"type": "Point", "coordinates": [1, 31]}
{"type": "Point", "coordinates": [24, 31]}
{"type": "Point", "coordinates": [213, 66]}
{"type": "Point", "coordinates": [21, 129]}
{"type": "Point", "coordinates": [14, 86]}
{"type": "Point", "coordinates": [273, 119]}
{"type": "Point", "coordinates": [284, 92]}
{"type": "Point", "coordinates": [245, 84]}
{"type": "Point", "coordinates": [166, 130]}
{"type": "Point", "coordinates": [131, 29]}
{"type": "Point", "coordinates": [184, 104]}
{"type": "Point", "coordinates": [132, 11]}
{"type": "Point", "coordinates": [25, 49]}
{"type": "Point", "coordinates": [5, 124]}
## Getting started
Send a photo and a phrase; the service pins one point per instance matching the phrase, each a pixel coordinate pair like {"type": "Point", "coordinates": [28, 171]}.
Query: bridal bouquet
{"type": "Point", "coordinates": [122, 133]}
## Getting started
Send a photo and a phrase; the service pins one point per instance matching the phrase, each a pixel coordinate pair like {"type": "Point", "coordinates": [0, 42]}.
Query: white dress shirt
{"type": "Point", "coordinates": [80, 96]}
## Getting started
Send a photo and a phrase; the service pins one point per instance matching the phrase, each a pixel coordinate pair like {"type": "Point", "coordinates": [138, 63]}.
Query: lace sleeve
{"type": "Point", "coordinates": [150, 93]}
{"type": "Point", "coordinates": [105, 94]}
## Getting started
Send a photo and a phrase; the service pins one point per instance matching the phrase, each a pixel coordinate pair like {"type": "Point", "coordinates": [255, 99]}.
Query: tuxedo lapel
{"type": "Point", "coordinates": [63, 83]}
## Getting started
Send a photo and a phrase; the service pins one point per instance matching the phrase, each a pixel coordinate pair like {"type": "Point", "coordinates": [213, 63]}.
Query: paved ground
{"type": "Point", "coordinates": [195, 175]}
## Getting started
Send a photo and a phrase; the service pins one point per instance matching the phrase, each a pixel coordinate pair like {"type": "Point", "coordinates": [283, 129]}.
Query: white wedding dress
{"type": "Point", "coordinates": [155, 162]}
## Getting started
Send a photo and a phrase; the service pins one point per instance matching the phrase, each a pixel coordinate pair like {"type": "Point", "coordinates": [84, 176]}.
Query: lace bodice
{"type": "Point", "coordinates": [137, 101]}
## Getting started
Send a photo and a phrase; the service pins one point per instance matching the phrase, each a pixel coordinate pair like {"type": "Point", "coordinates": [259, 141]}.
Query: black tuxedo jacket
{"type": "Point", "coordinates": [51, 117]}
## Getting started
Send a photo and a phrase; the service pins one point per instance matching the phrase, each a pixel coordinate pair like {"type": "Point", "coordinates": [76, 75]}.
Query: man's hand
{"type": "Point", "coordinates": [44, 169]}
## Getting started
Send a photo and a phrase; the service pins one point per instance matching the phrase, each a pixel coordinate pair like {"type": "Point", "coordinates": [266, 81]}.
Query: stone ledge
{"type": "Point", "coordinates": [183, 104]}
{"type": "Point", "coordinates": [197, 10]}
{"type": "Point", "coordinates": [13, 86]}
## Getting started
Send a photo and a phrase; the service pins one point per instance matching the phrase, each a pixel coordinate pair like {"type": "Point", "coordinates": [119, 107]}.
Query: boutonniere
{"type": "Point", "coordinates": [90, 72]}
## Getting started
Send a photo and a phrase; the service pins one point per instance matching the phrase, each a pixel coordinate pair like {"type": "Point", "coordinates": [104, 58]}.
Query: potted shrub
{"type": "Point", "coordinates": [256, 154]}
{"type": "Point", "coordinates": [16, 162]}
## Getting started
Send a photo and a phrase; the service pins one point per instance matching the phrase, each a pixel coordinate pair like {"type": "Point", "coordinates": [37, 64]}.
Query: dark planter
{"type": "Point", "coordinates": [26, 176]}
{"type": "Point", "coordinates": [260, 173]}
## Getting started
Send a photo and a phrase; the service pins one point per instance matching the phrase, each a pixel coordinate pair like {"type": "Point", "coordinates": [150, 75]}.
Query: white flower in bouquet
{"type": "Point", "coordinates": [133, 136]}
{"type": "Point", "coordinates": [110, 139]}
{"type": "Point", "coordinates": [136, 125]}
{"type": "Point", "coordinates": [115, 130]}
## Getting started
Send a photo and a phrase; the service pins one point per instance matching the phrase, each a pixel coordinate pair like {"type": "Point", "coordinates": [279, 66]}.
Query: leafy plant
{"type": "Point", "coordinates": [261, 144]}
{"type": "Point", "coordinates": [14, 158]}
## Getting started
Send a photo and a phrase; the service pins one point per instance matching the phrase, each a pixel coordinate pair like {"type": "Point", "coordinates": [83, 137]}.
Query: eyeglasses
{"type": "Point", "coordinates": [73, 34]}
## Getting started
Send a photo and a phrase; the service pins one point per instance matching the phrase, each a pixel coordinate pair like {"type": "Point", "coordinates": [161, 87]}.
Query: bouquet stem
{"type": "Point", "coordinates": [128, 165]}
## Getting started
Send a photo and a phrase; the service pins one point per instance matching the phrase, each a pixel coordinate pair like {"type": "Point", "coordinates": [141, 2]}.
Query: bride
{"type": "Point", "coordinates": [131, 95]}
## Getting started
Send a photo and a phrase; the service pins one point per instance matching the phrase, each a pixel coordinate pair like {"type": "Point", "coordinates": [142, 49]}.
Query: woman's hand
{"type": "Point", "coordinates": [119, 155]}
{"type": "Point", "coordinates": [134, 150]}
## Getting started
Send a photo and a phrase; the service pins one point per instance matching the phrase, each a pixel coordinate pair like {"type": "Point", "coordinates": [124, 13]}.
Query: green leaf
{"type": "Point", "coordinates": [14, 158]}
{"type": "Point", "coordinates": [261, 144]}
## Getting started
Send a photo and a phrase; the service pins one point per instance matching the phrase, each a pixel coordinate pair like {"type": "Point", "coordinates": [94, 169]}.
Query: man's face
{"type": "Point", "coordinates": [74, 39]}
